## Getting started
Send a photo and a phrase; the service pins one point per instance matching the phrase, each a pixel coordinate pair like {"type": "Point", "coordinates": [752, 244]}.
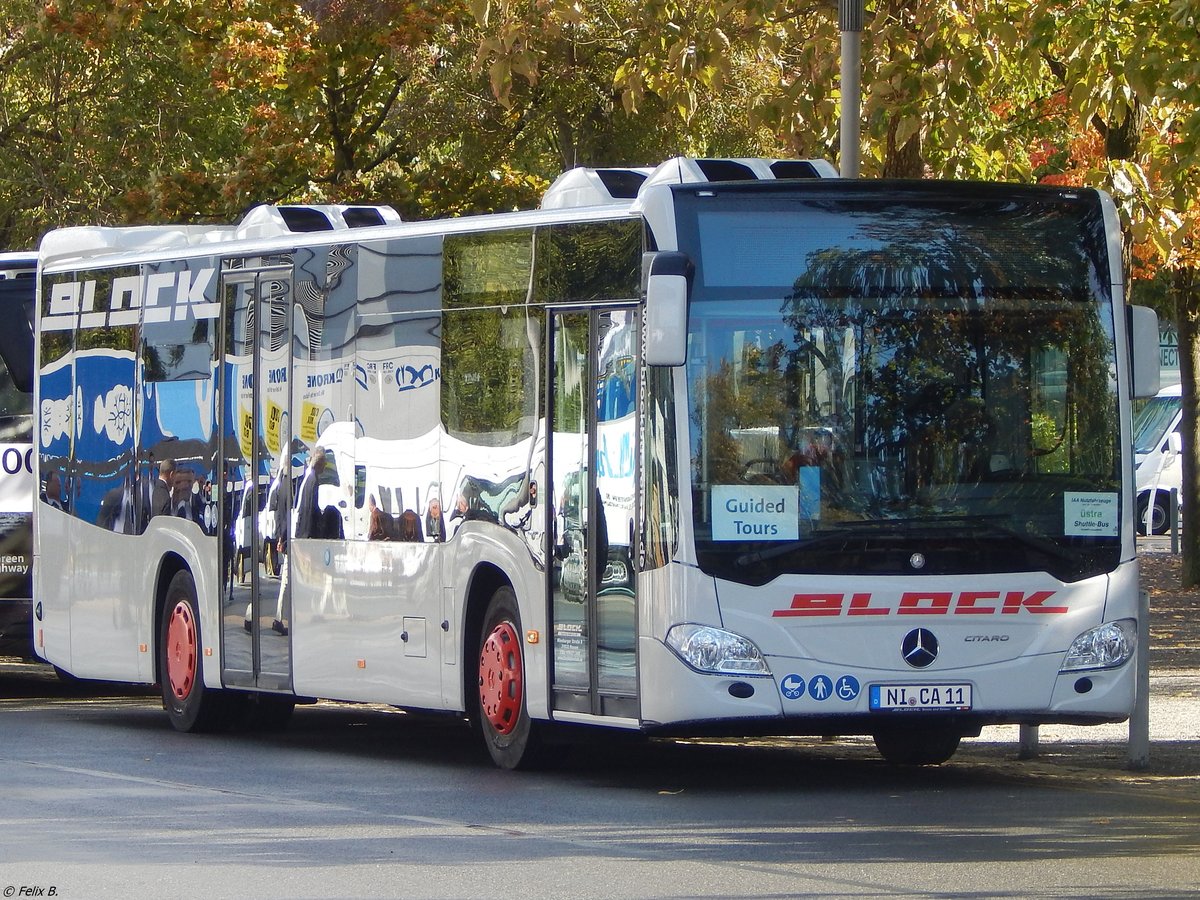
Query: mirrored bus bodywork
{"type": "Point", "coordinates": [18, 273]}
{"type": "Point", "coordinates": [882, 488]}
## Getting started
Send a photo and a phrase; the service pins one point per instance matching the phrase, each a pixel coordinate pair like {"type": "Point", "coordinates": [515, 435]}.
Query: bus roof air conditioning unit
{"type": "Point", "coordinates": [803, 168]}
{"type": "Point", "coordinates": [271, 221]}
{"type": "Point", "coordinates": [87, 241]}
{"type": "Point", "coordinates": [594, 187]}
{"type": "Point", "coordinates": [689, 170]}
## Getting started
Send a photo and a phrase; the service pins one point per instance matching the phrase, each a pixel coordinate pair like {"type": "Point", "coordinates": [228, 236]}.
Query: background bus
{"type": "Point", "coordinates": [1157, 447]}
{"type": "Point", "coordinates": [781, 454]}
{"type": "Point", "coordinates": [17, 293]}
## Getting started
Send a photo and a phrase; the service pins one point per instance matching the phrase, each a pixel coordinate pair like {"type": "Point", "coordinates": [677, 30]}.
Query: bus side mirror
{"type": "Point", "coordinates": [667, 275]}
{"type": "Point", "coordinates": [1143, 346]}
{"type": "Point", "coordinates": [1175, 443]}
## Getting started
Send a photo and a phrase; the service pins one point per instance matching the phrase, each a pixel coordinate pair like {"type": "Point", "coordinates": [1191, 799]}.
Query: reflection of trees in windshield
{"type": "Point", "coordinates": [973, 356]}
{"type": "Point", "coordinates": [918, 371]}
{"type": "Point", "coordinates": [737, 400]}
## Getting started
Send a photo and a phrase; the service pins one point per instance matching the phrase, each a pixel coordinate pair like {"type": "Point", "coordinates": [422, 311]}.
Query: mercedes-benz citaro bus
{"type": "Point", "coordinates": [726, 447]}
{"type": "Point", "coordinates": [18, 271]}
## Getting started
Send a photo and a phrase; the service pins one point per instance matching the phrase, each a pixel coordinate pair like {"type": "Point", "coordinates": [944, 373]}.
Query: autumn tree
{"type": "Point", "coordinates": [1170, 55]}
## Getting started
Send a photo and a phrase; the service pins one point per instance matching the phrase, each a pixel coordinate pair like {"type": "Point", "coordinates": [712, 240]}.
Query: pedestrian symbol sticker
{"type": "Point", "coordinates": [820, 687]}
{"type": "Point", "coordinates": [847, 687]}
{"type": "Point", "coordinates": [792, 687]}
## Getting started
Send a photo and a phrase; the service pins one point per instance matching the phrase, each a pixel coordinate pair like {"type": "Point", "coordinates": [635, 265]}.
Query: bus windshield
{"type": "Point", "coordinates": [916, 383]}
{"type": "Point", "coordinates": [14, 408]}
{"type": "Point", "coordinates": [1152, 423]}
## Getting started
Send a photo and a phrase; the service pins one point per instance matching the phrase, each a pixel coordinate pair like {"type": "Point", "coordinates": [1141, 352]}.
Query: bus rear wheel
{"type": "Point", "coordinates": [512, 739]}
{"type": "Point", "coordinates": [917, 746]}
{"type": "Point", "coordinates": [189, 704]}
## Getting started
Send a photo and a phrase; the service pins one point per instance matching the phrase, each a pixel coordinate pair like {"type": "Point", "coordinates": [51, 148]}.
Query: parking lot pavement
{"type": "Point", "coordinates": [1174, 696]}
{"type": "Point", "coordinates": [1074, 751]}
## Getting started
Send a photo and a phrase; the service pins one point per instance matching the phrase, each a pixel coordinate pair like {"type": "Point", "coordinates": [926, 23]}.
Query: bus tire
{"type": "Point", "coordinates": [189, 704]}
{"type": "Point", "coordinates": [917, 746]}
{"type": "Point", "coordinates": [513, 740]}
{"type": "Point", "coordinates": [1160, 517]}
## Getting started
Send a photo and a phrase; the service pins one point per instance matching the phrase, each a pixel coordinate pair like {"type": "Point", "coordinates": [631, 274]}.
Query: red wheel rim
{"type": "Point", "coordinates": [181, 651]}
{"type": "Point", "coordinates": [500, 680]}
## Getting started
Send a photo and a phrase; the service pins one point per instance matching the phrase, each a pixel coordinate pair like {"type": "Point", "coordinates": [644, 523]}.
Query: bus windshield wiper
{"type": "Point", "coordinates": [843, 532]}
{"type": "Point", "coordinates": [964, 527]}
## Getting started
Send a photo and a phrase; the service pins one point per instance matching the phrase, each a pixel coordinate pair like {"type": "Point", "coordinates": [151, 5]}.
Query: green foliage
{"type": "Point", "coordinates": [117, 111]}
{"type": "Point", "coordinates": [1045, 437]}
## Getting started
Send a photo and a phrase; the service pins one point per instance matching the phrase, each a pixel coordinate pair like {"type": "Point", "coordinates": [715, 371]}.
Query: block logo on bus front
{"type": "Point", "coordinates": [924, 603]}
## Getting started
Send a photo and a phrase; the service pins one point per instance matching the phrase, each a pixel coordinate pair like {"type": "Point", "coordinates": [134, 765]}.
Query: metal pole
{"type": "Point", "coordinates": [850, 18]}
{"type": "Point", "coordinates": [1173, 512]}
{"type": "Point", "coordinates": [1027, 742]}
{"type": "Point", "coordinates": [1139, 721]}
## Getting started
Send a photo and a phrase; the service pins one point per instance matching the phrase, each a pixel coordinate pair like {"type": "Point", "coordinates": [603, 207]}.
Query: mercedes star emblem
{"type": "Point", "coordinates": [919, 648]}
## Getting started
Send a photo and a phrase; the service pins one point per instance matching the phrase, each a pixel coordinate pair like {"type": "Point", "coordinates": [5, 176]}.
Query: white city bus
{"type": "Point", "coordinates": [675, 454]}
{"type": "Point", "coordinates": [18, 272]}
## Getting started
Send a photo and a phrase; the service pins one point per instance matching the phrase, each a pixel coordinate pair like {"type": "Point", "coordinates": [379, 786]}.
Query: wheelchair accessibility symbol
{"type": "Point", "coordinates": [847, 687]}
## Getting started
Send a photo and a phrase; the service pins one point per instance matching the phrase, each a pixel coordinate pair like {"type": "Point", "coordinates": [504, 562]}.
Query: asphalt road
{"type": "Point", "coordinates": [100, 798]}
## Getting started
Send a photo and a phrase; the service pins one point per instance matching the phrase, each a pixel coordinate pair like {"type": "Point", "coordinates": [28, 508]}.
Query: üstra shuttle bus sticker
{"type": "Point", "coordinates": [1089, 514]}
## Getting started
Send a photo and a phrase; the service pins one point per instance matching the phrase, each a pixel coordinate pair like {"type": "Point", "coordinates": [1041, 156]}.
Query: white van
{"type": "Point", "coordinates": [1157, 444]}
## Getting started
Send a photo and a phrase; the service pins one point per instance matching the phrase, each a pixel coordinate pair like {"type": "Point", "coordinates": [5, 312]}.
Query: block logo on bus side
{"type": "Point", "coordinates": [153, 297]}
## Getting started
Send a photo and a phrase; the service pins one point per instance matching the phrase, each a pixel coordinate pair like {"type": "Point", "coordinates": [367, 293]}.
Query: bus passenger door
{"type": "Point", "coordinates": [256, 483]}
{"type": "Point", "coordinates": [593, 449]}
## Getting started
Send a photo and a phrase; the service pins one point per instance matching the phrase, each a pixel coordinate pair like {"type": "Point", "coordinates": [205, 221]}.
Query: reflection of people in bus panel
{"type": "Point", "coordinates": [52, 493]}
{"type": "Point", "coordinates": [435, 522]}
{"type": "Point", "coordinates": [408, 527]}
{"type": "Point", "coordinates": [274, 522]}
{"type": "Point", "coordinates": [160, 496]}
{"type": "Point", "coordinates": [312, 522]}
{"type": "Point", "coordinates": [379, 527]}
{"type": "Point", "coordinates": [185, 495]}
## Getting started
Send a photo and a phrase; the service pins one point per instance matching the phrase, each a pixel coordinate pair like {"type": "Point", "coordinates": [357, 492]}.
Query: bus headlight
{"type": "Point", "coordinates": [709, 649]}
{"type": "Point", "coordinates": [1104, 647]}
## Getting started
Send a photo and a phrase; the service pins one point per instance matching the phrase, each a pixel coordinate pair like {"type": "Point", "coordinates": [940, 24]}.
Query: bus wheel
{"type": "Point", "coordinates": [917, 746]}
{"type": "Point", "coordinates": [189, 705]}
{"type": "Point", "coordinates": [1160, 516]}
{"type": "Point", "coordinates": [511, 738]}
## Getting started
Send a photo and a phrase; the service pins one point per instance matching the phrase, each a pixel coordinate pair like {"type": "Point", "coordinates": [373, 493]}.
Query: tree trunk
{"type": "Point", "coordinates": [1187, 315]}
{"type": "Point", "coordinates": [902, 161]}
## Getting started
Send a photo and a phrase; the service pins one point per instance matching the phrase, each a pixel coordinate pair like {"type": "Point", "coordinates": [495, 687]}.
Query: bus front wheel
{"type": "Point", "coordinates": [512, 739]}
{"type": "Point", "coordinates": [189, 704]}
{"type": "Point", "coordinates": [917, 746]}
{"type": "Point", "coordinates": [1160, 516]}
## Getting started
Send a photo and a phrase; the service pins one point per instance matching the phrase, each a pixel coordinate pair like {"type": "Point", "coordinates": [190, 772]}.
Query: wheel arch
{"type": "Point", "coordinates": [170, 565]}
{"type": "Point", "coordinates": [485, 580]}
